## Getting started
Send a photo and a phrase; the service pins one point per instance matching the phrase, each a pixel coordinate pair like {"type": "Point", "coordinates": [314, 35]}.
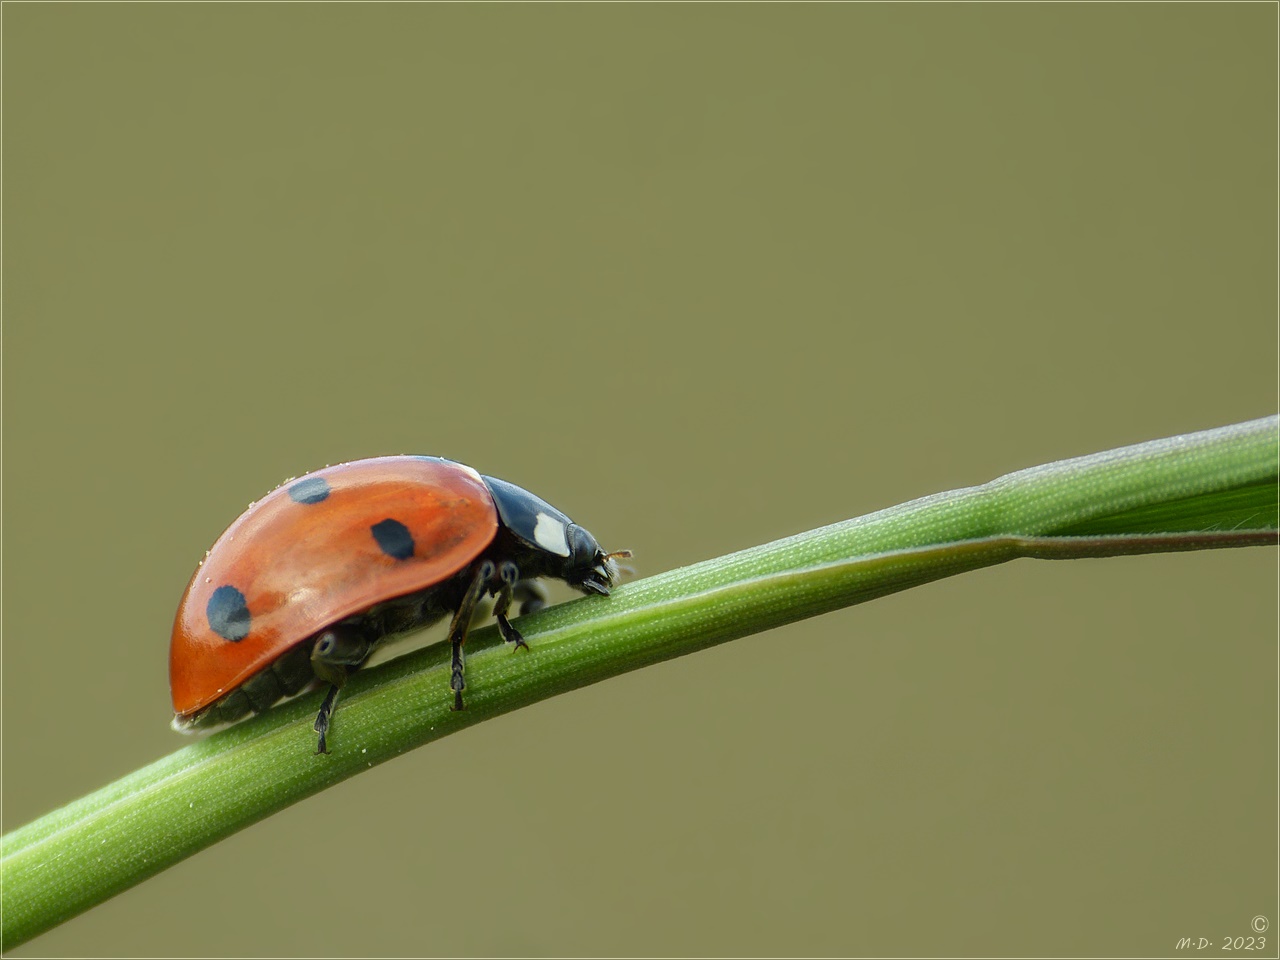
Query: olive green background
{"type": "Point", "coordinates": [702, 276]}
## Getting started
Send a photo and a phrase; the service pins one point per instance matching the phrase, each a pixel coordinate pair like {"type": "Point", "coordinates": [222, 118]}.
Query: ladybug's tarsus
{"type": "Point", "coordinates": [509, 633]}
{"type": "Point", "coordinates": [322, 718]}
{"type": "Point", "coordinates": [458, 628]}
{"type": "Point", "coordinates": [509, 575]}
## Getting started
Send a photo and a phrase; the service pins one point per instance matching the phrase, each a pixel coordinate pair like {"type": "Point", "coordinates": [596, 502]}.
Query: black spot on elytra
{"type": "Point", "coordinates": [310, 490]}
{"type": "Point", "coordinates": [393, 539]}
{"type": "Point", "coordinates": [228, 613]}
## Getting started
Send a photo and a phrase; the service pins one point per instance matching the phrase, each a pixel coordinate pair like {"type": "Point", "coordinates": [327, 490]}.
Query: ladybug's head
{"type": "Point", "coordinates": [552, 545]}
{"type": "Point", "coordinates": [588, 568]}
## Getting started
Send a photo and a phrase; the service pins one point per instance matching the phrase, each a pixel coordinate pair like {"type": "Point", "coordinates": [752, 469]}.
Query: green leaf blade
{"type": "Point", "coordinates": [1213, 489]}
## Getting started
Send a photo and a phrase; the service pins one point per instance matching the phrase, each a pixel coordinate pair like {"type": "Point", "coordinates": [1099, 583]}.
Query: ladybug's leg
{"type": "Point", "coordinates": [532, 596]}
{"type": "Point", "coordinates": [509, 574]}
{"type": "Point", "coordinates": [337, 651]}
{"type": "Point", "coordinates": [458, 627]}
{"type": "Point", "coordinates": [322, 718]}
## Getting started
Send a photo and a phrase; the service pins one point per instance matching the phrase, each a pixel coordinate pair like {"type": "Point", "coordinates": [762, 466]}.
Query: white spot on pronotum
{"type": "Point", "coordinates": [550, 536]}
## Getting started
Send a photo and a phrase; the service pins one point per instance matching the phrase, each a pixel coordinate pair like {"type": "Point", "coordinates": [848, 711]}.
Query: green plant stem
{"type": "Point", "coordinates": [1211, 489]}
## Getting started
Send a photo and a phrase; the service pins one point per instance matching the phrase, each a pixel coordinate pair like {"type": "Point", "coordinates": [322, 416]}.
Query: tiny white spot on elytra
{"type": "Point", "coordinates": [550, 536]}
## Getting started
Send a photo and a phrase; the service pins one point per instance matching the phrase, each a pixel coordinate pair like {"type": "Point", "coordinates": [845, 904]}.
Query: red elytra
{"type": "Point", "coordinates": [310, 579]}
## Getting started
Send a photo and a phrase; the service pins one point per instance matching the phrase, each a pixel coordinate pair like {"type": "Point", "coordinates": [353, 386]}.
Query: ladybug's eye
{"type": "Point", "coordinates": [583, 547]}
{"type": "Point", "coordinates": [588, 568]}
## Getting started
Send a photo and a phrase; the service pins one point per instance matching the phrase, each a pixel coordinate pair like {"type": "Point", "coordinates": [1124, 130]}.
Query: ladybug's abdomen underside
{"type": "Point", "coordinates": [317, 550]}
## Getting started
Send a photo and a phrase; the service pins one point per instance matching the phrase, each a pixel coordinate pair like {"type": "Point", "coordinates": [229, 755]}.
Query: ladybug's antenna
{"type": "Point", "coordinates": [612, 558]}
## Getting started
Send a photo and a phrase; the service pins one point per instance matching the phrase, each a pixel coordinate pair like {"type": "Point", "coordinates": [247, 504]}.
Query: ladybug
{"type": "Point", "coordinates": [309, 580]}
